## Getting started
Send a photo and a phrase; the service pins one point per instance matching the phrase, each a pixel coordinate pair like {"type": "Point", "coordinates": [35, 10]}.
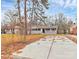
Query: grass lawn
{"type": "Point", "coordinates": [12, 38]}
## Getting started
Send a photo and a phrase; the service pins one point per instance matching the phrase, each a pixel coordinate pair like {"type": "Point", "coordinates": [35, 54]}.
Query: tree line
{"type": "Point", "coordinates": [34, 11]}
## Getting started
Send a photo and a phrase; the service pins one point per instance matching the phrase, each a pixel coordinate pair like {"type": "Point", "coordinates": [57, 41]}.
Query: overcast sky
{"type": "Point", "coordinates": [68, 7]}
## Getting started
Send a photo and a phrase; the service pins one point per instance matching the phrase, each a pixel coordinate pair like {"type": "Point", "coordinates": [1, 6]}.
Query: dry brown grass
{"type": "Point", "coordinates": [12, 38]}
{"type": "Point", "coordinates": [72, 38]}
{"type": "Point", "coordinates": [11, 43]}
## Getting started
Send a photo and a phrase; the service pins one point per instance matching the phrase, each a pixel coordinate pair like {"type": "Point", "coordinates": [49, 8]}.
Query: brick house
{"type": "Point", "coordinates": [73, 29]}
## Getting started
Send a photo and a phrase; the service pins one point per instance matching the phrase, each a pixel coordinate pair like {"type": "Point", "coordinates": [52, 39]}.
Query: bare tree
{"type": "Point", "coordinates": [45, 3]}
{"type": "Point", "coordinates": [61, 22]}
{"type": "Point", "coordinates": [11, 16]}
{"type": "Point", "coordinates": [25, 14]}
{"type": "Point", "coordinates": [19, 12]}
{"type": "Point", "coordinates": [38, 10]}
{"type": "Point", "coordinates": [3, 26]}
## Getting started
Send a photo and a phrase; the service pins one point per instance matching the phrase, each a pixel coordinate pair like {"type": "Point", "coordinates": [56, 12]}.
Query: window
{"type": "Point", "coordinates": [33, 29]}
{"type": "Point", "coordinates": [36, 29]}
{"type": "Point", "coordinates": [47, 29]}
{"type": "Point", "coordinates": [39, 29]}
{"type": "Point", "coordinates": [53, 28]}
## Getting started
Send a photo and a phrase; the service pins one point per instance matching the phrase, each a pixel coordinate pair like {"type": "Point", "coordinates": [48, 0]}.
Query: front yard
{"type": "Point", "coordinates": [11, 43]}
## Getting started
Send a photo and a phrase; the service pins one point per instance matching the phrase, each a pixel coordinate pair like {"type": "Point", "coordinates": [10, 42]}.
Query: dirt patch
{"type": "Point", "coordinates": [72, 37]}
{"type": "Point", "coordinates": [6, 51]}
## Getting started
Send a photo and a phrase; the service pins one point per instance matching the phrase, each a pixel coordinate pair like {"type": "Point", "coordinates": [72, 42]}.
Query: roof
{"type": "Point", "coordinates": [44, 26]}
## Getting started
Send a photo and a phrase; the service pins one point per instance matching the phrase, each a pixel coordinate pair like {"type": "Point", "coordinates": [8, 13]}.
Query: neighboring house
{"type": "Point", "coordinates": [73, 29]}
{"type": "Point", "coordinates": [7, 29]}
{"type": "Point", "coordinates": [3, 29]}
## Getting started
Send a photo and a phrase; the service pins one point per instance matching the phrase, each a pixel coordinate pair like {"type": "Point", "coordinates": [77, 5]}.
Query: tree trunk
{"type": "Point", "coordinates": [19, 14]}
{"type": "Point", "coordinates": [18, 1]}
{"type": "Point", "coordinates": [32, 16]}
{"type": "Point", "coordinates": [30, 28]}
{"type": "Point", "coordinates": [25, 14]}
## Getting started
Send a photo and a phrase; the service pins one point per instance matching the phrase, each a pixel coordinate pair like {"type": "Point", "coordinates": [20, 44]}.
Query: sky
{"type": "Point", "coordinates": [68, 7]}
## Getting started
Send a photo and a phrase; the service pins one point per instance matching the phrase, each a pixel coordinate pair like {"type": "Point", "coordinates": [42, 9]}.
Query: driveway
{"type": "Point", "coordinates": [61, 48]}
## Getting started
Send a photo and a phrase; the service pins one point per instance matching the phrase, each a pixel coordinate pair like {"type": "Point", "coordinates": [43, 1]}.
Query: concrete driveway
{"type": "Point", "coordinates": [62, 48]}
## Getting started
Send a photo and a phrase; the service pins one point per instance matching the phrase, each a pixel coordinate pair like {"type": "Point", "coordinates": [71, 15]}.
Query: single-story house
{"type": "Point", "coordinates": [38, 30]}
{"type": "Point", "coordinates": [44, 30]}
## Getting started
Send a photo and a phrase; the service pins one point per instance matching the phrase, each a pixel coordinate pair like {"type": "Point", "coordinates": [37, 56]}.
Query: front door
{"type": "Point", "coordinates": [43, 30]}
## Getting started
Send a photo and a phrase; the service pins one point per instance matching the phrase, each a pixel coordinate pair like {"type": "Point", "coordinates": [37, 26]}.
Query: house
{"type": "Point", "coordinates": [38, 30]}
{"type": "Point", "coordinates": [3, 29]}
{"type": "Point", "coordinates": [44, 30]}
{"type": "Point", "coordinates": [34, 29]}
{"type": "Point", "coordinates": [73, 29]}
{"type": "Point", "coordinates": [7, 29]}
